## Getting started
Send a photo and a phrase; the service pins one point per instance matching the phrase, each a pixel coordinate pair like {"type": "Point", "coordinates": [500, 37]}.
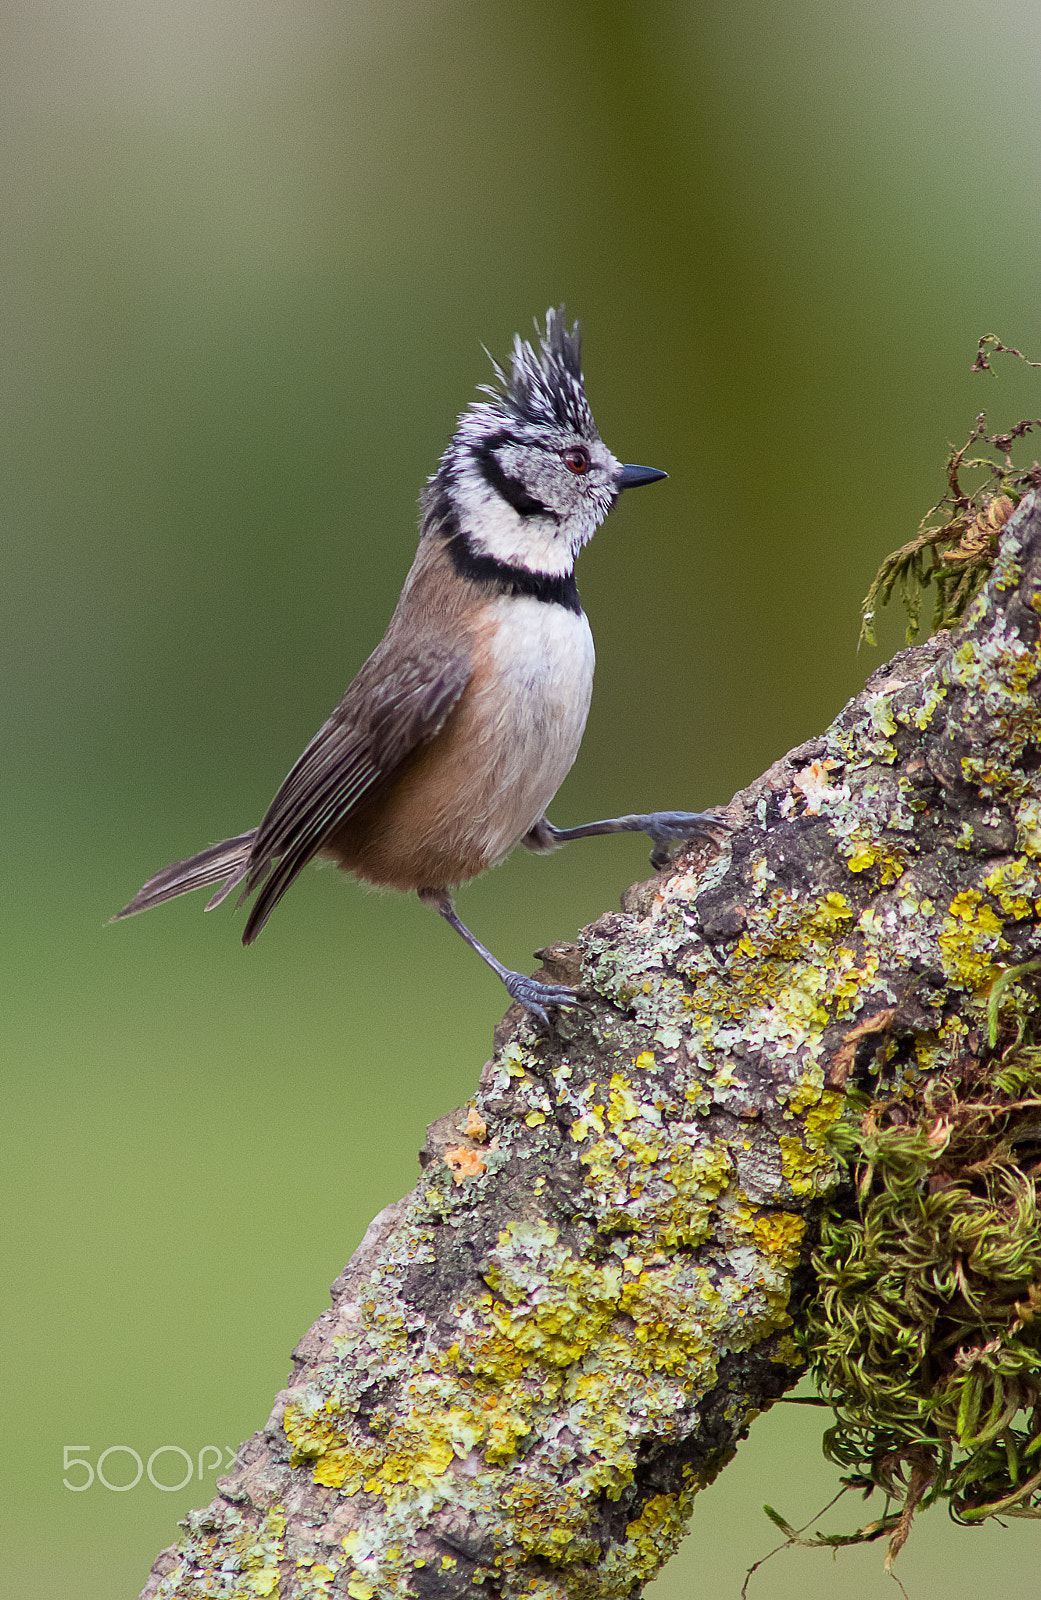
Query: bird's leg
{"type": "Point", "coordinates": [664, 828]}
{"type": "Point", "coordinates": [533, 996]}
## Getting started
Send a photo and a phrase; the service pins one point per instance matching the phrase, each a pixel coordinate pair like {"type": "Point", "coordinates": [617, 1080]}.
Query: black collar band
{"type": "Point", "coordinates": [555, 590]}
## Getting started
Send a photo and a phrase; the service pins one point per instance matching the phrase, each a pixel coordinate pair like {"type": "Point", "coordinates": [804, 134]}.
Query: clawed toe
{"type": "Point", "coordinates": [535, 996]}
{"type": "Point", "coordinates": [672, 825]}
{"type": "Point", "coordinates": [666, 828]}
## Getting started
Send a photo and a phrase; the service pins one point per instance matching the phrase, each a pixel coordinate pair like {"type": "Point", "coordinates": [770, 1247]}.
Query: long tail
{"type": "Point", "coordinates": [224, 863]}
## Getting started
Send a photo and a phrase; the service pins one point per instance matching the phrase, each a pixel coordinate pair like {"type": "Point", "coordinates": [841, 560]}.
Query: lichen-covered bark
{"type": "Point", "coordinates": [535, 1360]}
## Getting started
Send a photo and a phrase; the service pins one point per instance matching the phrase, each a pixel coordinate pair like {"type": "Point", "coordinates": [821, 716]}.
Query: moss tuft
{"type": "Point", "coordinates": [954, 548]}
{"type": "Point", "coordinates": [925, 1336]}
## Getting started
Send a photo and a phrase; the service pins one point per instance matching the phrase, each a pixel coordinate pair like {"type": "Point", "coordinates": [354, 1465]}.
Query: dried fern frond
{"type": "Point", "coordinates": [956, 542]}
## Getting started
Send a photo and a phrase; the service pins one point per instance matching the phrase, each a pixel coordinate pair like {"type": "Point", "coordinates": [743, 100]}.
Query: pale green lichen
{"type": "Point", "coordinates": [642, 1179]}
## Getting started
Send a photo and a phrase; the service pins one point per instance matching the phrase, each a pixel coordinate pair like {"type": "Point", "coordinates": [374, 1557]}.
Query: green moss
{"type": "Point", "coordinates": [926, 1333]}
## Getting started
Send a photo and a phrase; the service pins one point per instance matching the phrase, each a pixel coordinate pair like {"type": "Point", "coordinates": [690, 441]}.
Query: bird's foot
{"type": "Point", "coordinates": [666, 828]}
{"type": "Point", "coordinates": [535, 996]}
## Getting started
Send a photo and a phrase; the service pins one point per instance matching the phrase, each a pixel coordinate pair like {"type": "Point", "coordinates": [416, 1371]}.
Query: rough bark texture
{"type": "Point", "coordinates": [536, 1358]}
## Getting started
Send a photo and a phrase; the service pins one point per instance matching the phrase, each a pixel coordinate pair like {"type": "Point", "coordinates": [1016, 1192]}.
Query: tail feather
{"type": "Point", "coordinates": [225, 863]}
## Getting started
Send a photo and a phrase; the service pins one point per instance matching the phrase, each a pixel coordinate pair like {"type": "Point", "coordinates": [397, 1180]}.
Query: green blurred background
{"type": "Point", "coordinates": [251, 253]}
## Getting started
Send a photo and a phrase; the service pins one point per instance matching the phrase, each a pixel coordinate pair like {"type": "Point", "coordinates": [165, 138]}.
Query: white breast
{"type": "Point", "coordinates": [535, 706]}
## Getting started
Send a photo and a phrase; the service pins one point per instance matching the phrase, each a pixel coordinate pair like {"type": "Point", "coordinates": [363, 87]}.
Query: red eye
{"type": "Point", "coordinates": [576, 460]}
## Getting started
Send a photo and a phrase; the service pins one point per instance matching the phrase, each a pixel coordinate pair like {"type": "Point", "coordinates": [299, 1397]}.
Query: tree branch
{"type": "Point", "coordinates": [535, 1360]}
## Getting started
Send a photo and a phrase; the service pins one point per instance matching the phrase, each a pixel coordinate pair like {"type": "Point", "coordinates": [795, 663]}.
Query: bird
{"type": "Point", "coordinates": [454, 737]}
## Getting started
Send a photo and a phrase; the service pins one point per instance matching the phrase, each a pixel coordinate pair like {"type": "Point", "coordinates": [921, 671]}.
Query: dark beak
{"type": "Point", "coordinates": [632, 477]}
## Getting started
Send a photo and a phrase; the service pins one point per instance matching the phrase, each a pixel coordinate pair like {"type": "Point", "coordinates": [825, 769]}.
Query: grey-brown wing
{"type": "Point", "coordinates": [383, 717]}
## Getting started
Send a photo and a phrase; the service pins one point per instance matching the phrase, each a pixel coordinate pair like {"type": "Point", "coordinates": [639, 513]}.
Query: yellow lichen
{"type": "Point", "coordinates": [867, 851]}
{"type": "Point", "coordinates": [576, 1299]}
{"type": "Point", "coordinates": [806, 1092]}
{"type": "Point", "coordinates": [1013, 884]}
{"type": "Point", "coordinates": [810, 1166]}
{"type": "Point", "coordinates": [655, 1533]}
{"type": "Point", "coordinates": [969, 939]}
{"type": "Point", "coordinates": [260, 1552]}
{"type": "Point", "coordinates": [779, 1234]}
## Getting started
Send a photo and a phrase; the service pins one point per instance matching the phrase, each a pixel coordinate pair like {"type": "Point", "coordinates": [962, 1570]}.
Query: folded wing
{"type": "Point", "coordinates": [389, 710]}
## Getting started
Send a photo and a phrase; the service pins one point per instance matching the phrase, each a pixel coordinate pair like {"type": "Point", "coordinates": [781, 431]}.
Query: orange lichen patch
{"type": "Point", "coordinates": [465, 1163]}
{"type": "Point", "coordinates": [476, 1127]}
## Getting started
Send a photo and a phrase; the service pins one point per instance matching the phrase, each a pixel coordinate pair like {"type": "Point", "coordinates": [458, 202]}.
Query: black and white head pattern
{"type": "Point", "coordinates": [527, 477]}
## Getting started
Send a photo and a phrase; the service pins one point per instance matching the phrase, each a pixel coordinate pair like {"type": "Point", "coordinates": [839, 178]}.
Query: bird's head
{"type": "Point", "coordinates": [527, 473]}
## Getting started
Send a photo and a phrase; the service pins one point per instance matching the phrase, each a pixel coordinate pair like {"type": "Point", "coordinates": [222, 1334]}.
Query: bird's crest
{"type": "Point", "coordinates": [545, 382]}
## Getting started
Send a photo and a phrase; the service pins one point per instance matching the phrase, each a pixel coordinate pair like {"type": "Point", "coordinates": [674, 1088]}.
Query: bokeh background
{"type": "Point", "coordinates": [251, 251]}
